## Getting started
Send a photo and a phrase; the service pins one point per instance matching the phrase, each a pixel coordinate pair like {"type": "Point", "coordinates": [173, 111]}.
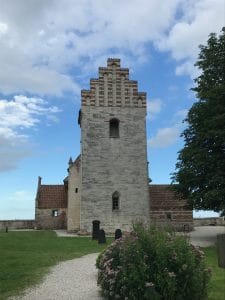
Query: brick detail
{"type": "Point", "coordinates": [113, 88]}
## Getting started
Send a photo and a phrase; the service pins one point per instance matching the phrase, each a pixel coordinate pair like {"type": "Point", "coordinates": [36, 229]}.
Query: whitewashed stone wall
{"type": "Point", "coordinates": [113, 164]}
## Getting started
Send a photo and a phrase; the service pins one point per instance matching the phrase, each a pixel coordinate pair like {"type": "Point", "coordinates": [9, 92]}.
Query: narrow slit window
{"type": "Point", "coordinates": [114, 128]}
{"type": "Point", "coordinates": [76, 190]}
{"type": "Point", "coordinates": [115, 201]}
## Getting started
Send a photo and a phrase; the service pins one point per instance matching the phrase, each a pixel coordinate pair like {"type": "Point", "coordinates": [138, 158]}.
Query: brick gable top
{"type": "Point", "coordinates": [52, 196]}
{"type": "Point", "coordinates": [163, 198]}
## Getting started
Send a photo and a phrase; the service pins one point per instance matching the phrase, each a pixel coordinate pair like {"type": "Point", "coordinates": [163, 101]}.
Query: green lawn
{"type": "Point", "coordinates": [26, 256]}
{"type": "Point", "coordinates": [217, 283]}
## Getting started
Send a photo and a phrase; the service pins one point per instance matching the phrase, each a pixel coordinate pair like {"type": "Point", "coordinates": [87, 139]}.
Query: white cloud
{"type": "Point", "coordinates": [42, 45]}
{"type": "Point", "coordinates": [164, 137]}
{"type": "Point", "coordinates": [3, 28]}
{"type": "Point", "coordinates": [23, 112]}
{"type": "Point", "coordinates": [19, 75]}
{"type": "Point", "coordinates": [16, 115]}
{"type": "Point", "coordinates": [198, 19]}
{"type": "Point", "coordinates": [167, 136]}
{"type": "Point", "coordinates": [154, 107]}
{"type": "Point", "coordinates": [43, 42]}
{"type": "Point", "coordinates": [13, 148]}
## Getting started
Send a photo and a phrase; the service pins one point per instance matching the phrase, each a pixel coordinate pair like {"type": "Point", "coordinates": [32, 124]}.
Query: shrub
{"type": "Point", "coordinates": [152, 264]}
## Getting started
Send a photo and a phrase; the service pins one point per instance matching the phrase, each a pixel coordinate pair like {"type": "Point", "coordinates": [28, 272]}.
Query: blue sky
{"type": "Point", "coordinates": [49, 50]}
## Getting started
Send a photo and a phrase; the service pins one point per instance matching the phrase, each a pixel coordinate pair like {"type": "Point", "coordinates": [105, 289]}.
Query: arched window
{"type": "Point", "coordinates": [114, 128]}
{"type": "Point", "coordinates": [115, 201]}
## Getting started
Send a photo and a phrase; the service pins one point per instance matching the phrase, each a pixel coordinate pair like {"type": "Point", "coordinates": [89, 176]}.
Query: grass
{"type": "Point", "coordinates": [217, 283]}
{"type": "Point", "coordinates": [26, 256]}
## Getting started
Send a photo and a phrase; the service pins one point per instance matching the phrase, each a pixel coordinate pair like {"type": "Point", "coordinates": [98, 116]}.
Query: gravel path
{"type": "Point", "coordinates": [71, 280]}
{"type": "Point", "coordinates": [205, 236]}
{"type": "Point", "coordinates": [76, 279]}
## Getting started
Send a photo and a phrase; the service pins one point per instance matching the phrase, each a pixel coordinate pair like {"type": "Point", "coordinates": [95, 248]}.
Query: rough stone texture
{"type": "Point", "coordinates": [45, 220]}
{"type": "Point", "coordinates": [166, 209]}
{"type": "Point", "coordinates": [74, 196]}
{"type": "Point", "coordinates": [113, 164]}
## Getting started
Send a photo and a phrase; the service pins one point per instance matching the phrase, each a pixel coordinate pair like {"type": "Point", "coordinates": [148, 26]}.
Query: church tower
{"type": "Point", "coordinates": [114, 173]}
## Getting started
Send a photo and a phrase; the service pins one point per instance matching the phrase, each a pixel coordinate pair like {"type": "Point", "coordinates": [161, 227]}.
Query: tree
{"type": "Point", "coordinates": [200, 168]}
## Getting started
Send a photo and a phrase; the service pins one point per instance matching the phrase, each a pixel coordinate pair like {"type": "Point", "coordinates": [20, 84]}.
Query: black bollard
{"type": "Point", "coordinates": [101, 237]}
{"type": "Point", "coordinates": [6, 229]}
{"type": "Point", "coordinates": [118, 234]}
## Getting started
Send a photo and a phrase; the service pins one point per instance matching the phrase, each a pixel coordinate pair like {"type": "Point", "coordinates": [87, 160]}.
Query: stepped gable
{"type": "Point", "coordinates": [113, 88]}
{"type": "Point", "coordinates": [52, 196]}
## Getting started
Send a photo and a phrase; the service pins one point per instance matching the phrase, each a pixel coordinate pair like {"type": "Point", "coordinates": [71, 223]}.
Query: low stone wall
{"type": "Point", "coordinates": [17, 224]}
{"type": "Point", "coordinates": [220, 221]}
{"type": "Point", "coordinates": [179, 220]}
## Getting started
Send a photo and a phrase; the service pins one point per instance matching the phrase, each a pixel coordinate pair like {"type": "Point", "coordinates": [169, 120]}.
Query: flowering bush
{"type": "Point", "coordinates": [152, 264]}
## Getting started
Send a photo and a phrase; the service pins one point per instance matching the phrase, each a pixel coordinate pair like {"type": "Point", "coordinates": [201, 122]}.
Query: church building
{"type": "Point", "coordinates": [108, 182]}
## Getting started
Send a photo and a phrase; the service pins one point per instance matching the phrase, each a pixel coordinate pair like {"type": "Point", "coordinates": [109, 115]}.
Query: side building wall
{"type": "Point", "coordinates": [44, 218]}
{"type": "Point", "coordinates": [51, 206]}
{"type": "Point", "coordinates": [166, 209]}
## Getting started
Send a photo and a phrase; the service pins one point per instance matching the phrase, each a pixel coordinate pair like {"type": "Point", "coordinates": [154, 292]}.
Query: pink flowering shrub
{"type": "Point", "coordinates": [152, 264]}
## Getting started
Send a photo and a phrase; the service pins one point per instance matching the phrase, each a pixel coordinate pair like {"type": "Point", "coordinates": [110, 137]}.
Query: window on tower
{"type": "Point", "coordinates": [115, 201]}
{"type": "Point", "coordinates": [114, 128]}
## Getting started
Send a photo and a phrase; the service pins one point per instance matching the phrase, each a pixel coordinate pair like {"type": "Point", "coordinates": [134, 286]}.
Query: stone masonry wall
{"type": "Point", "coordinates": [166, 209]}
{"type": "Point", "coordinates": [17, 224]}
{"type": "Point", "coordinates": [112, 164]}
{"type": "Point", "coordinates": [74, 196]}
{"type": "Point", "coordinates": [45, 220]}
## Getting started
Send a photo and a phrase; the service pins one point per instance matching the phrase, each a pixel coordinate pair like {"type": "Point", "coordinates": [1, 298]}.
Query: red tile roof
{"type": "Point", "coordinates": [52, 196]}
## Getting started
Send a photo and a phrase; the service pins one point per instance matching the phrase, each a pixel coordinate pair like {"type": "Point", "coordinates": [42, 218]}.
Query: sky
{"type": "Point", "coordinates": [49, 50]}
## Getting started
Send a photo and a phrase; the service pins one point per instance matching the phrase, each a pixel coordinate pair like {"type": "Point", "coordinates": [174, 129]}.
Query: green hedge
{"type": "Point", "coordinates": [152, 264]}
